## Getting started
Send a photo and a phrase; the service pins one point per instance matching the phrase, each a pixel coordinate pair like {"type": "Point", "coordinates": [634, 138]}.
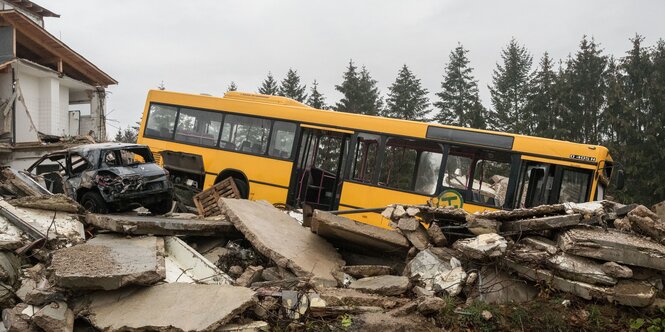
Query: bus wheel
{"type": "Point", "coordinates": [243, 188]}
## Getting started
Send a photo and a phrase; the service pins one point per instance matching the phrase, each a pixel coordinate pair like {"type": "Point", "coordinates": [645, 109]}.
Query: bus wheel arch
{"type": "Point", "coordinates": [239, 178]}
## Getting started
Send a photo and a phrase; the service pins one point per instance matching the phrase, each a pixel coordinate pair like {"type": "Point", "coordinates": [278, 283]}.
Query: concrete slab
{"type": "Point", "coordinates": [646, 222]}
{"type": "Point", "coordinates": [109, 262]}
{"type": "Point", "coordinates": [58, 225]}
{"type": "Point", "coordinates": [541, 224]}
{"type": "Point", "coordinates": [361, 271]}
{"type": "Point", "coordinates": [498, 287]}
{"type": "Point", "coordinates": [282, 239]}
{"type": "Point", "coordinates": [368, 237]}
{"type": "Point", "coordinates": [482, 247]}
{"type": "Point", "coordinates": [184, 264]}
{"type": "Point", "coordinates": [384, 285]}
{"type": "Point", "coordinates": [168, 307]}
{"type": "Point", "coordinates": [56, 202]}
{"type": "Point", "coordinates": [352, 297]}
{"type": "Point", "coordinates": [140, 225]}
{"type": "Point", "coordinates": [613, 246]}
{"type": "Point", "coordinates": [54, 317]}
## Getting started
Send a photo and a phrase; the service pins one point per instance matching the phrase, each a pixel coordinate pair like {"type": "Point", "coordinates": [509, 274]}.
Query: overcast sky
{"type": "Point", "coordinates": [201, 46]}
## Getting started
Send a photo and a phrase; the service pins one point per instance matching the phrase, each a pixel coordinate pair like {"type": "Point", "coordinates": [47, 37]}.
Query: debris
{"type": "Point", "coordinates": [109, 262]}
{"type": "Point", "coordinates": [580, 269]}
{"type": "Point", "coordinates": [623, 225]}
{"type": "Point", "coordinates": [161, 307]}
{"type": "Point", "coordinates": [398, 212]}
{"type": "Point", "coordinates": [614, 246]}
{"type": "Point", "coordinates": [140, 225]}
{"type": "Point", "coordinates": [384, 285]}
{"type": "Point", "coordinates": [430, 305]}
{"type": "Point", "coordinates": [417, 237]}
{"type": "Point", "coordinates": [55, 202]}
{"type": "Point", "coordinates": [406, 309]}
{"type": "Point", "coordinates": [247, 327]}
{"type": "Point", "coordinates": [659, 210]}
{"type": "Point", "coordinates": [498, 287]}
{"type": "Point", "coordinates": [435, 274]}
{"type": "Point", "coordinates": [235, 271]}
{"type": "Point", "coordinates": [184, 264]}
{"type": "Point", "coordinates": [542, 223]}
{"type": "Point", "coordinates": [382, 321]}
{"type": "Point", "coordinates": [408, 224]}
{"type": "Point", "coordinates": [617, 271]}
{"type": "Point", "coordinates": [646, 222]}
{"type": "Point", "coordinates": [361, 271]}
{"type": "Point", "coordinates": [482, 247]}
{"type": "Point", "coordinates": [54, 317]}
{"type": "Point", "coordinates": [16, 184]}
{"type": "Point", "coordinates": [352, 297]}
{"type": "Point", "coordinates": [350, 232]}
{"type": "Point", "coordinates": [412, 211]}
{"type": "Point", "coordinates": [38, 223]}
{"type": "Point", "coordinates": [436, 235]}
{"type": "Point", "coordinates": [265, 227]}
{"type": "Point", "coordinates": [486, 315]}
{"type": "Point", "coordinates": [251, 275]}
{"type": "Point", "coordinates": [206, 202]}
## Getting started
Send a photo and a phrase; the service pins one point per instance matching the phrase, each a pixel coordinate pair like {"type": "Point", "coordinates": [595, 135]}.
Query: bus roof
{"type": "Point", "coordinates": [289, 109]}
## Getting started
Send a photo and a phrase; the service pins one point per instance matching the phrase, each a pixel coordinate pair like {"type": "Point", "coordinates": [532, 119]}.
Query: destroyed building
{"type": "Point", "coordinates": [47, 90]}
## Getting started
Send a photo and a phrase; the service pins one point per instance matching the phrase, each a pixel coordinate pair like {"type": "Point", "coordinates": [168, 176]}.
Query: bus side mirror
{"type": "Point", "coordinates": [621, 180]}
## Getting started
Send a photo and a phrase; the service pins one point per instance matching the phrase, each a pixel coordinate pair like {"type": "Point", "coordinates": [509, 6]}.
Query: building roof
{"type": "Point", "coordinates": [36, 44]}
{"type": "Point", "coordinates": [33, 8]}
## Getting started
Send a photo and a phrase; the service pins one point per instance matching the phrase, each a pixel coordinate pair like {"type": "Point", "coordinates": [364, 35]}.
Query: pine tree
{"type": "Point", "coordinates": [350, 89]}
{"type": "Point", "coordinates": [269, 86]}
{"type": "Point", "coordinates": [459, 103]}
{"type": "Point", "coordinates": [541, 102]}
{"type": "Point", "coordinates": [232, 87]}
{"type": "Point", "coordinates": [655, 129]}
{"type": "Point", "coordinates": [316, 99]}
{"type": "Point", "coordinates": [371, 102]}
{"type": "Point", "coordinates": [509, 90]}
{"type": "Point", "coordinates": [291, 88]}
{"type": "Point", "coordinates": [407, 99]}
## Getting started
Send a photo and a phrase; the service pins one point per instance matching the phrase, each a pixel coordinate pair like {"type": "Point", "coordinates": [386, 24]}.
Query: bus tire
{"type": "Point", "coordinates": [243, 188]}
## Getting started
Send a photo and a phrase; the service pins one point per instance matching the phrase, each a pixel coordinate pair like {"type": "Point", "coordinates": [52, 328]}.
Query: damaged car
{"type": "Point", "coordinates": [107, 177]}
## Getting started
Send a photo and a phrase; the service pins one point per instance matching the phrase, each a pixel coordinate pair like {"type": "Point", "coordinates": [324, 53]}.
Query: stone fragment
{"type": "Point", "coordinates": [161, 307]}
{"type": "Point", "coordinates": [541, 243]}
{"type": "Point", "coordinates": [451, 282]}
{"type": "Point", "coordinates": [478, 225]}
{"type": "Point", "coordinates": [541, 224]}
{"type": "Point", "coordinates": [498, 287]}
{"type": "Point", "coordinates": [109, 262]}
{"type": "Point", "coordinates": [408, 223]}
{"type": "Point", "coordinates": [436, 235]}
{"type": "Point", "coordinates": [275, 273]}
{"type": "Point", "coordinates": [55, 317]}
{"type": "Point", "coordinates": [384, 285]}
{"type": "Point", "coordinates": [155, 225]}
{"type": "Point", "coordinates": [406, 309]}
{"type": "Point", "coordinates": [16, 320]}
{"type": "Point", "coordinates": [436, 274]}
{"type": "Point", "coordinates": [55, 202]}
{"type": "Point", "coordinates": [362, 271]}
{"type": "Point", "coordinates": [184, 264]}
{"type": "Point", "coordinates": [352, 297]}
{"type": "Point", "coordinates": [251, 275]}
{"type": "Point", "coordinates": [388, 212]}
{"type": "Point", "coordinates": [418, 237]}
{"type": "Point", "coordinates": [37, 293]}
{"type": "Point", "coordinates": [235, 271]}
{"type": "Point", "coordinates": [430, 305]}
{"type": "Point", "coordinates": [659, 210]}
{"type": "Point", "coordinates": [398, 212]}
{"type": "Point", "coordinates": [646, 222]}
{"type": "Point", "coordinates": [347, 233]}
{"type": "Point", "coordinates": [623, 210]}
{"type": "Point", "coordinates": [421, 291]}
{"type": "Point", "coordinates": [617, 271]}
{"type": "Point", "coordinates": [482, 247]}
{"type": "Point", "coordinates": [412, 211]}
{"type": "Point", "coordinates": [580, 269]}
{"type": "Point", "coordinates": [266, 227]}
{"type": "Point", "coordinates": [613, 246]}
{"type": "Point", "coordinates": [623, 224]}
{"type": "Point", "coordinates": [486, 315]}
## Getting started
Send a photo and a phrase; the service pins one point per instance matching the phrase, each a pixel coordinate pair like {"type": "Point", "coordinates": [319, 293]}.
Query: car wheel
{"type": "Point", "coordinates": [162, 207]}
{"type": "Point", "coordinates": [94, 202]}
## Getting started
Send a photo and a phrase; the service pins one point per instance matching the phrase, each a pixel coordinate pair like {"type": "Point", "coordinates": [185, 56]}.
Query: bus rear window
{"type": "Point", "coordinates": [161, 121]}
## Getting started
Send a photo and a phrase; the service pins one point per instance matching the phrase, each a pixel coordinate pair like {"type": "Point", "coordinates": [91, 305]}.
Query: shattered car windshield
{"type": "Point", "coordinates": [128, 156]}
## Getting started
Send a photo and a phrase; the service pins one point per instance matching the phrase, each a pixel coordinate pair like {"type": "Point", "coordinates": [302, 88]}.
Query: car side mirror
{"type": "Point", "coordinates": [621, 179]}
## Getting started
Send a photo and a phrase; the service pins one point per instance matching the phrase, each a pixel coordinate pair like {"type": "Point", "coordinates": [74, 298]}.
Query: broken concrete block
{"type": "Point", "coordinates": [406, 309]}
{"type": "Point", "coordinates": [139, 225]}
{"type": "Point", "coordinates": [595, 208]}
{"type": "Point", "coordinates": [62, 225]}
{"type": "Point", "coordinates": [659, 210]}
{"type": "Point", "coordinates": [235, 271]}
{"type": "Point", "coordinates": [477, 225]}
{"type": "Point", "coordinates": [388, 212]}
{"type": "Point", "coordinates": [161, 307]}
{"type": "Point", "coordinates": [614, 246]}
{"type": "Point", "coordinates": [412, 211]}
{"type": "Point", "coordinates": [632, 293]}
{"type": "Point", "coordinates": [418, 237]}
{"type": "Point", "coordinates": [408, 223]}
{"type": "Point", "coordinates": [384, 285]}
{"type": "Point", "coordinates": [436, 274]}
{"type": "Point", "coordinates": [451, 282]}
{"type": "Point", "coordinates": [623, 224]}
{"type": "Point", "coordinates": [266, 227]}
{"type": "Point", "coordinates": [55, 317]}
{"type": "Point", "coordinates": [398, 212]}
{"type": "Point", "coordinates": [498, 287]}
{"type": "Point", "coordinates": [9, 275]}
{"type": "Point", "coordinates": [541, 243]}
{"type": "Point", "coordinates": [617, 271]}
{"type": "Point", "coordinates": [647, 223]}
{"type": "Point", "coordinates": [436, 235]}
{"type": "Point", "coordinates": [55, 202]}
{"type": "Point", "coordinates": [421, 291]}
{"type": "Point", "coordinates": [523, 213]}
{"type": "Point", "coordinates": [352, 297]}
{"type": "Point", "coordinates": [540, 224]}
{"type": "Point", "coordinates": [482, 247]}
{"type": "Point", "coordinates": [362, 271]}
{"type": "Point", "coordinates": [349, 233]}
{"type": "Point", "coordinates": [11, 237]}
{"type": "Point", "coordinates": [622, 210]}
{"type": "Point", "coordinates": [580, 269]}
{"type": "Point", "coordinates": [109, 262]}
{"type": "Point", "coordinates": [184, 264]}
{"type": "Point", "coordinates": [294, 305]}
{"type": "Point", "coordinates": [251, 275]}
{"type": "Point", "coordinates": [15, 320]}
{"type": "Point", "coordinates": [37, 293]}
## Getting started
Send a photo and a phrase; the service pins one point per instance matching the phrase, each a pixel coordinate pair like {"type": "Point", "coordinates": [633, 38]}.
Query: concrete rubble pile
{"type": "Point", "coordinates": [254, 267]}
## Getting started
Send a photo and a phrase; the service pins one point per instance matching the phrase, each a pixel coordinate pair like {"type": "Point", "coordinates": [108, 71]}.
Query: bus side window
{"type": "Point", "coordinates": [198, 127]}
{"type": "Point", "coordinates": [245, 134]}
{"type": "Point", "coordinates": [411, 165]}
{"type": "Point", "coordinates": [535, 184]}
{"type": "Point", "coordinates": [364, 162]}
{"type": "Point", "coordinates": [574, 186]}
{"type": "Point", "coordinates": [281, 142]}
{"type": "Point", "coordinates": [161, 121]}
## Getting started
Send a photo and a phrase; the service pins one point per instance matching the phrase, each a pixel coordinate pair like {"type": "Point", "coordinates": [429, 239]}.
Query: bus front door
{"type": "Point", "coordinates": [318, 168]}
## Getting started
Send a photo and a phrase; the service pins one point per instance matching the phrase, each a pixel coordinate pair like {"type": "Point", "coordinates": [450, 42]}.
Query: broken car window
{"type": "Point", "coordinates": [198, 127]}
{"type": "Point", "coordinates": [110, 159]}
{"type": "Point", "coordinates": [79, 164]}
{"type": "Point", "coordinates": [127, 156]}
{"type": "Point", "coordinates": [246, 134]}
{"type": "Point", "coordinates": [161, 121]}
{"type": "Point", "coordinates": [281, 142]}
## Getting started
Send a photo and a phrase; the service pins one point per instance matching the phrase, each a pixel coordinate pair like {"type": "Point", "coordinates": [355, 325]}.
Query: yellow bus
{"type": "Point", "coordinates": [285, 152]}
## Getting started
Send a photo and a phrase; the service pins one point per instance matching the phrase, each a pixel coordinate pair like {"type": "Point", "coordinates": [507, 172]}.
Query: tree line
{"type": "Point", "coordinates": [588, 97]}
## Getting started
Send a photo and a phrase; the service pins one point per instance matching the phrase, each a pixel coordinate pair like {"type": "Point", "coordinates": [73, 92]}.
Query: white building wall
{"type": "Point", "coordinates": [62, 128]}
{"type": "Point", "coordinates": [30, 87]}
{"type": "Point", "coordinates": [49, 104]}
{"type": "Point", "coordinates": [5, 95]}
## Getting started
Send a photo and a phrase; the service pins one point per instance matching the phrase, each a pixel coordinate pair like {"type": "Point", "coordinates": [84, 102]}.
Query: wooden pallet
{"type": "Point", "coordinates": [206, 201]}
